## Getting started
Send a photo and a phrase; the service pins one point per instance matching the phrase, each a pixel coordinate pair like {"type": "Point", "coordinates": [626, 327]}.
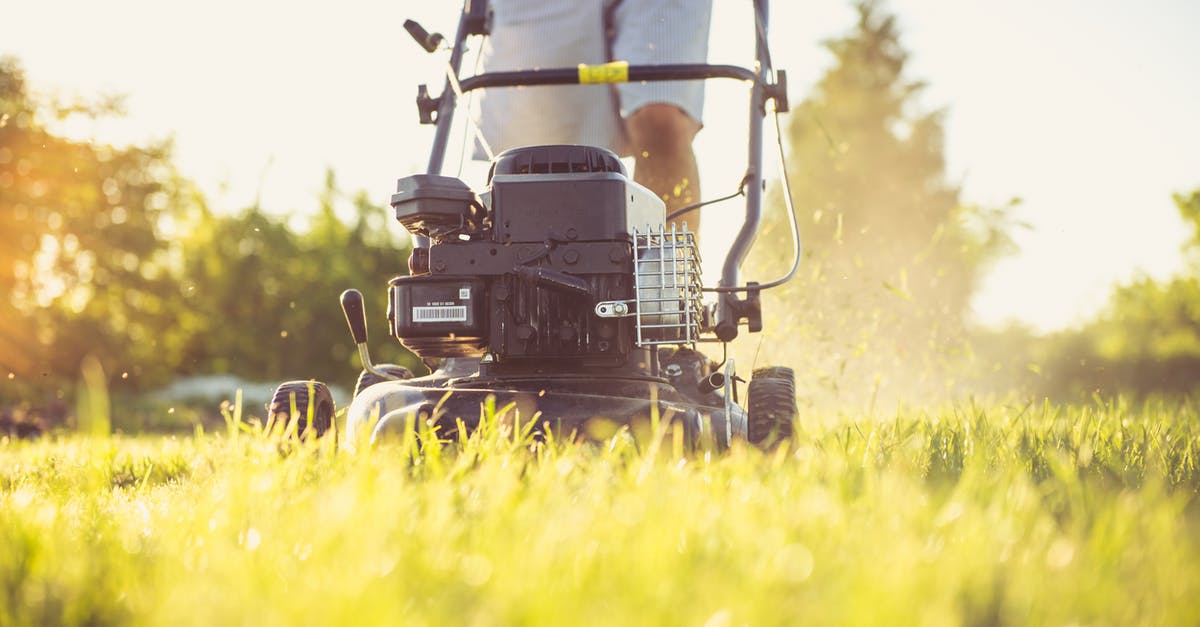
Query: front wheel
{"type": "Point", "coordinates": [770, 405]}
{"type": "Point", "coordinates": [309, 403]}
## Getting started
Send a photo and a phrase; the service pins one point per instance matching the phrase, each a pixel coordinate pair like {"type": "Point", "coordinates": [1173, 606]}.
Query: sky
{"type": "Point", "coordinates": [1087, 111]}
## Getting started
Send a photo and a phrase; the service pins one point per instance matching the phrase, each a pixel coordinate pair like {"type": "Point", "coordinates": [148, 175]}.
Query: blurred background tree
{"type": "Point", "coordinates": [110, 252]}
{"type": "Point", "coordinates": [892, 255]}
{"type": "Point", "coordinates": [1145, 341]}
{"type": "Point", "coordinates": [83, 268]}
{"type": "Point", "coordinates": [265, 296]}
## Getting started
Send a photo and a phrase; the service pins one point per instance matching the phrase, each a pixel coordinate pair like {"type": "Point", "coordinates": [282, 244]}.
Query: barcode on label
{"type": "Point", "coordinates": [439, 314]}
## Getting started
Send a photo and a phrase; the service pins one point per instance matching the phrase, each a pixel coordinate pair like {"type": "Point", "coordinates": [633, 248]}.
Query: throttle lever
{"type": "Point", "coordinates": [425, 39]}
{"type": "Point", "coordinates": [356, 318]}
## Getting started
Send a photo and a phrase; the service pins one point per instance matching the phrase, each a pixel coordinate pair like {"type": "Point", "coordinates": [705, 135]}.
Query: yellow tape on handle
{"type": "Point", "coordinates": [615, 72]}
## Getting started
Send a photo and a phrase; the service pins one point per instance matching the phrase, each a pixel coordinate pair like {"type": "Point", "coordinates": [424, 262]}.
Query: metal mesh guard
{"type": "Point", "coordinates": [667, 285]}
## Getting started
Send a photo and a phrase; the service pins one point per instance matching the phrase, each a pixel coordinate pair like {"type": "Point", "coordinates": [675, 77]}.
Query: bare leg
{"type": "Point", "coordinates": [664, 162]}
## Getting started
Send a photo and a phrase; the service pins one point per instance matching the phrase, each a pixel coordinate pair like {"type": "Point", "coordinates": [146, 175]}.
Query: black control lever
{"type": "Point", "coordinates": [356, 317]}
{"type": "Point", "coordinates": [425, 39]}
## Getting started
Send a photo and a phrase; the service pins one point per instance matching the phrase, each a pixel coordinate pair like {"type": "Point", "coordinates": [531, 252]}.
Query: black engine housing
{"type": "Point", "coordinates": [517, 271]}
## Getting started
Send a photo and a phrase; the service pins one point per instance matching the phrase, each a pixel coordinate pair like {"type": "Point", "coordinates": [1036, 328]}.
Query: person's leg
{"type": "Point", "coordinates": [662, 119]}
{"type": "Point", "coordinates": [660, 136]}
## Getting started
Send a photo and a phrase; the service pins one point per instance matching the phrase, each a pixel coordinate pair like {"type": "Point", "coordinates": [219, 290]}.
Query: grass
{"type": "Point", "coordinates": [971, 515]}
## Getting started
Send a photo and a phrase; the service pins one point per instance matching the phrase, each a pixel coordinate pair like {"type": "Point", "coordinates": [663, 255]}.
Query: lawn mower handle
{"type": "Point", "coordinates": [440, 111]}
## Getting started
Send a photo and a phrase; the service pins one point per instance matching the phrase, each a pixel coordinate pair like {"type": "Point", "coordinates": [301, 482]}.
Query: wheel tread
{"type": "Point", "coordinates": [281, 404]}
{"type": "Point", "coordinates": [771, 404]}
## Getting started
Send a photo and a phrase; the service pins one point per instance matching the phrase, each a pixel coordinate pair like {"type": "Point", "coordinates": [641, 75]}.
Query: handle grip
{"type": "Point", "coordinates": [429, 42]}
{"type": "Point", "coordinates": [356, 317]}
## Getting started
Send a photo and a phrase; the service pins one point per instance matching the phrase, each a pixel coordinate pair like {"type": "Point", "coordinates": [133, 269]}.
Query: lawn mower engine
{"type": "Point", "coordinates": [551, 291]}
{"type": "Point", "coordinates": [560, 290]}
{"type": "Point", "coordinates": [563, 264]}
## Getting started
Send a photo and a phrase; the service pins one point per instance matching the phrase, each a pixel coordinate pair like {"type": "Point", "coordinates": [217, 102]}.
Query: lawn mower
{"type": "Point", "coordinates": [563, 289]}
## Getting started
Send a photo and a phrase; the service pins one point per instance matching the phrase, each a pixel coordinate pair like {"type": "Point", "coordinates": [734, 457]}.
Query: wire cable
{"type": "Point", "coordinates": [458, 93]}
{"type": "Point", "coordinates": [793, 221]}
{"type": "Point", "coordinates": [741, 191]}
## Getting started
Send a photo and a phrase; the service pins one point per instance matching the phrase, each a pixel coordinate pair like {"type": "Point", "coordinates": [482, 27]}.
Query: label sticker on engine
{"type": "Point", "coordinates": [439, 314]}
{"type": "Point", "coordinates": [464, 293]}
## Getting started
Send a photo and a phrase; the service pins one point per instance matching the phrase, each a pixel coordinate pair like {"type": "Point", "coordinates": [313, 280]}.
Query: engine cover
{"type": "Point", "coordinates": [575, 193]}
{"type": "Point", "coordinates": [521, 282]}
{"type": "Point", "coordinates": [590, 206]}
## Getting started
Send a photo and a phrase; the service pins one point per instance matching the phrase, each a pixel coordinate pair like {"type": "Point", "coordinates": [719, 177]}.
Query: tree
{"type": "Point", "coordinates": [263, 298]}
{"type": "Point", "coordinates": [1148, 337]}
{"type": "Point", "coordinates": [109, 252]}
{"type": "Point", "coordinates": [1145, 341]}
{"type": "Point", "coordinates": [892, 255]}
{"type": "Point", "coordinates": [82, 268]}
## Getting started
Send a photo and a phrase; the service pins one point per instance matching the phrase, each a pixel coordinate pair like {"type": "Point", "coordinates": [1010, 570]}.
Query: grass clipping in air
{"type": "Point", "coordinates": [973, 515]}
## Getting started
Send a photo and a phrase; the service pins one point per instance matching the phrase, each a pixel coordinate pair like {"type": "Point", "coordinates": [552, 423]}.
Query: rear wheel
{"type": "Point", "coordinates": [770, 405]}
{"type": "Point", "coordinates": [367, 379]}
{"type": "Point", "coordinates": [303, 396]}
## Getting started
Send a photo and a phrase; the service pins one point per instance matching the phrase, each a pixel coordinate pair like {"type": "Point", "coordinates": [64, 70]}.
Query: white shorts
{"type": "Point", "coordinates": [533, 34]}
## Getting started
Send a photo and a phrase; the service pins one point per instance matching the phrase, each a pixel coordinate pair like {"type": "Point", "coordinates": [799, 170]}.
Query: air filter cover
{"type": "Point", "coordinates": [434, 206]}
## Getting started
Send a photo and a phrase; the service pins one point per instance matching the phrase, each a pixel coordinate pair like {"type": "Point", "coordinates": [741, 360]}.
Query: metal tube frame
{"type": "Point", "coordinates": [761, 91]}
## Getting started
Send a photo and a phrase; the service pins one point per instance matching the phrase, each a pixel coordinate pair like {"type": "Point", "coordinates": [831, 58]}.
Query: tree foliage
{"type": "Point", "coordinates": [109, 252]}
{"type": "Point", "coordinates": [1147, 339]}
{"type": "Point", "coordinates": [269, 293]}
{"type": "Point", "coordinates": [83, 268]}
{"type": "Point", "coordinates": [892, 255]}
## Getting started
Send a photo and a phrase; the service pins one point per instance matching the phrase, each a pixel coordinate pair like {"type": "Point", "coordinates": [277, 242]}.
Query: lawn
{"type": "Point", "coordinates": [998, 514]}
